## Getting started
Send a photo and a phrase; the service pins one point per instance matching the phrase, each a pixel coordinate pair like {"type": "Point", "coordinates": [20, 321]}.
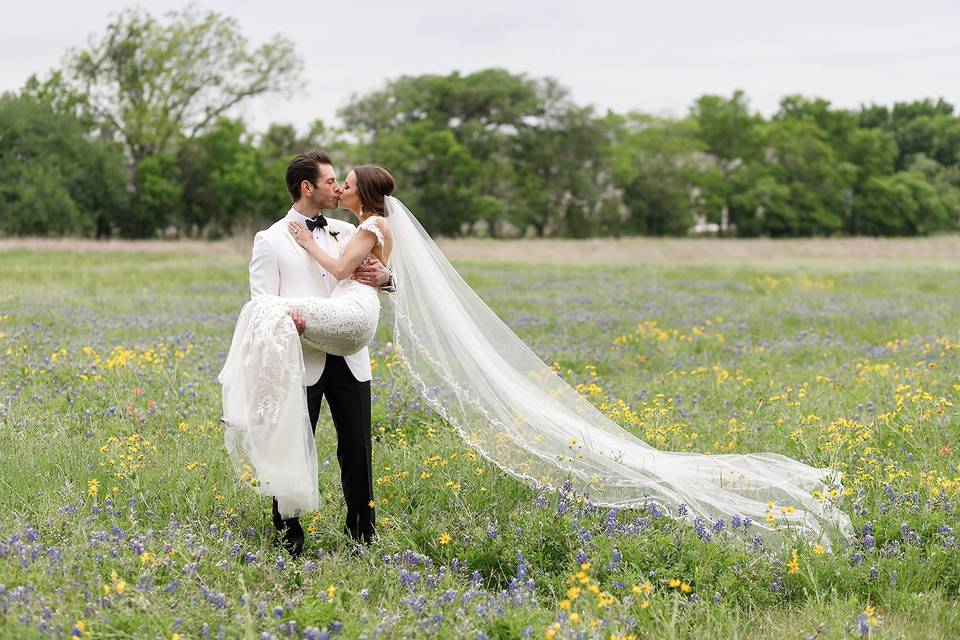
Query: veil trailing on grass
{"type": "Point", "coordinates": [518, 413]}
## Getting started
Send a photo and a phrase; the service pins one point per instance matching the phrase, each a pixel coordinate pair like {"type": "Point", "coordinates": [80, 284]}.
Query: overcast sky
{"type": "Point", "coordinates": [651, 56]}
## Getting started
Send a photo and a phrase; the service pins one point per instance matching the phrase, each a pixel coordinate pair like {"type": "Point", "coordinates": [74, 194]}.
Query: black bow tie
{"type": "Point", "coordinates": [319, 221]}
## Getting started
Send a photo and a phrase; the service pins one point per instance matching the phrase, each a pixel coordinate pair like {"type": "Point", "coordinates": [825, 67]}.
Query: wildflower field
{"type": "Point", "coordinates": [120, 516]}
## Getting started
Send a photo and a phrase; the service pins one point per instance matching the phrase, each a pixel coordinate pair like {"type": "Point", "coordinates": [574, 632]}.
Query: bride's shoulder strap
{"type": "Point", "coordinates": [372, 224]}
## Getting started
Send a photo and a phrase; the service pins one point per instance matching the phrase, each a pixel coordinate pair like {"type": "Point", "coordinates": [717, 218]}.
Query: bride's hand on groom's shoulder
{"type": "Point", "coordinates": [300, 233]}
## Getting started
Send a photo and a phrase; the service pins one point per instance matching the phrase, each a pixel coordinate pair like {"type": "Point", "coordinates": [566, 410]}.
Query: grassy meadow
{"type": "Point", "coordinates": [121, 517]}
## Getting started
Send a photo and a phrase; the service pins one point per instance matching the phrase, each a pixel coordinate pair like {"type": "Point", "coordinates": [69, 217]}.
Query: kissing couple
{"type": "Point", "coordinates": [314, 309]}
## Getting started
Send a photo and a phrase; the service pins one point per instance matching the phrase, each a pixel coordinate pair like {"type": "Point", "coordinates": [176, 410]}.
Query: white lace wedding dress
{"type": "Point", "coordinates": [268, 431]}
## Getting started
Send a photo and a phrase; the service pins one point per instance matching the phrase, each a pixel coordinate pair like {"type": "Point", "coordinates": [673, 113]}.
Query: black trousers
{"type": "Point", "coordinates": [349, 402]}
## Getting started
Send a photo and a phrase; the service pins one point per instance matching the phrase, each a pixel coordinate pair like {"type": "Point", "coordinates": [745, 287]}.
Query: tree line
{"type": "Point", "coordinates": [132, 136]}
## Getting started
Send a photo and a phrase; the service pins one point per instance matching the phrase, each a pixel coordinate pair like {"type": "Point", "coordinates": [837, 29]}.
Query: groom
{"type": "Point", "coordinates": [281, 267]}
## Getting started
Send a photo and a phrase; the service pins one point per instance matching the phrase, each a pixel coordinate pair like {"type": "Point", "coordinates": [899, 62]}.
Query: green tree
{"type": "Point", "coordinates": [733, 138]}
{"type": "Point", "coordinates": [838, 124]}
{"type": "Point", "coordinates": [449, 140]}
{"type": "Point", "coordinates": [151, 82]}
{"type": "Point", "coordinates": [559, 170]}
{"type": "Point", "coordinates": [873, 151]}
{"type": "Point", "coordinates": [946, 180]}
{"type": "Point", "coordinates": [764, 207]}
{"type": "Point", "coordinates": [222, 177]}
{"type": "Point", "coordinates": [160, 198]}
{"type": "Point", "coordinates": [494, 99]}
{"type": "Point", "coordinates": [526, 153]}
{"type": "Point", "coordinates": [799, 156]}
{"type": "Point", "coordinates": [437, 176]}
{"type": "Point", "coordinates": [937, 137]}
{"type": "Point", "coordinates": [55, 179]}
{"type": "Point", "coordinates": [730, 131]}
{"type": "Point", "coordinates": [658, 164]}
{"type": "Point", "coordinates": [904, 203]}
{"type": "Point", "coordinates": [920, 127]}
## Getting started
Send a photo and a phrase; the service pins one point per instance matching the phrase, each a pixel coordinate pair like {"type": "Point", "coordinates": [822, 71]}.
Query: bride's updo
{"type": "Point", "coordinates": [373, 185]}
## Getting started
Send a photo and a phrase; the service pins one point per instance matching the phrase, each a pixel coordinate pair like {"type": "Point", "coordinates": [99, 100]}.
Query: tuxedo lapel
{"type": "Point", "coordinates": [296, 246]}
{"type": "Point", "coordinates": [300, 251]}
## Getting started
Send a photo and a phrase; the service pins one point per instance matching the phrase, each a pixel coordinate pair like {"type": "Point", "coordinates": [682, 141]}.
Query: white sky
{"type": "Point", "coordinates": [651, 56]}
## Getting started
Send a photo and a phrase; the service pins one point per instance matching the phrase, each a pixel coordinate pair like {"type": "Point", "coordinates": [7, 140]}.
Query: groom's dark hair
{"type": "Point", "coordinates": [304, 167]}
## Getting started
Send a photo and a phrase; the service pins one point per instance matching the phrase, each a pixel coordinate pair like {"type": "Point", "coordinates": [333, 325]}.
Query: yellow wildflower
{"type": "Point", "coordinates": [794, 565]}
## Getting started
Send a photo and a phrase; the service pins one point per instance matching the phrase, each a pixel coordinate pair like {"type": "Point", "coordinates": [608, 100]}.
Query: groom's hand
{"type": "Point", "coordinates": [297, 320]}
{"type": "Point", "coordinates": [373, 273]}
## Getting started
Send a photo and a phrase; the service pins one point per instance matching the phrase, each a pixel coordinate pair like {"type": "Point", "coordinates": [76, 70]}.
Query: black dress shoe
{"type": "Point", "coordinates": [367, 537]}
{"type": "Point", "coordinates": [292, 537]}
{"type": "Point", "coordinates": [293, 546]}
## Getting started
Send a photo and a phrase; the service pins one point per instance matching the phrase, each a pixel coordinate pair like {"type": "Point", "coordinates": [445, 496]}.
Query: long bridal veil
{"type": "Point", "coordinates": [517, 412]}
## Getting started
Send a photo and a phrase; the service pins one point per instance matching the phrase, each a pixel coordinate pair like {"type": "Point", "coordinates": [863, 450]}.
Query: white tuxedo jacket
{"type": "Point", "coordinates": [281, 267]}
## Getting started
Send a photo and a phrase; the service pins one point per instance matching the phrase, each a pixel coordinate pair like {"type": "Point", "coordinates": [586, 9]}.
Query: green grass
{"type": "Point", "coordinates": [107, 374]}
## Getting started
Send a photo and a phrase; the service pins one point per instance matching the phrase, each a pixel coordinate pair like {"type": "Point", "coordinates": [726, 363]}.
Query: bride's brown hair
{"type": "Point", "coordinates": [373, 185]}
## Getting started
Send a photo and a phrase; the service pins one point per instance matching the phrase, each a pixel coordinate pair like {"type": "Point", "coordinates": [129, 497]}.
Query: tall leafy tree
{"type": "Point", "coordinates": [658, 164]}
{"type": "Point", "coordinates": [560, 170]}
{"type": "Point", "coordinates": [733, 137]}
{"type": "Point", "coordinates": [728, 127]}
{"type": "Point", "coordinates": [920, 127]}
{"type": "Point", "coordinates": [447, 139]}
{"type": "Point", "coordinates": [54, 178]}
{"type": "Point", "coordinates": [800, 157]}
{"type": "Point", "coordinates": [221, 177]}
{"type": "Point", "coordinates": [149, 80]}
{"type": "Point", "coordinates": [160, 197]}
{"type": "Point", "coordinates": [504, 147]}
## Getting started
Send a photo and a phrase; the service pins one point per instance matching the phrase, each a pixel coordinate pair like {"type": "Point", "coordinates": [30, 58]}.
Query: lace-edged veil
{"type": "Point", "coordinates": [518, 413]}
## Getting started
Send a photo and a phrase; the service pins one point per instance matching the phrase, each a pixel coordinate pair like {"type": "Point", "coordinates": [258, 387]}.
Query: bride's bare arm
{"type": "Point", "coordinates": [340, 268]}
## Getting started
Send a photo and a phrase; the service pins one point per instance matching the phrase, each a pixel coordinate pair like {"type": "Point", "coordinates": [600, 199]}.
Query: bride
{"type": "Point", "coordinates": [481, 378]}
